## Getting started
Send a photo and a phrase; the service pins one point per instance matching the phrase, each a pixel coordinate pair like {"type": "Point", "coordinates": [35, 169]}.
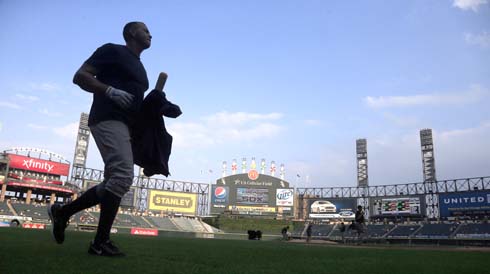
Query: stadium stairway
{"type": "Point", "coordinates": [455, 232]}
{"type": "Point", "coordinates": [389, 231]}
{"type": "Point", "coordinates": [146, 221]}
{"type": "Point", "coordinates": [179, 227]}
{"type": "Point", "coordinates": [12, 209]}
{"type": "Point", "coordinates": [416, 231]}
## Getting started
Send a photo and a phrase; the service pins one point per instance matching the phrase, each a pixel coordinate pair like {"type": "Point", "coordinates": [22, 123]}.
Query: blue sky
{"type": "Point", "coordinates": [296, 82]}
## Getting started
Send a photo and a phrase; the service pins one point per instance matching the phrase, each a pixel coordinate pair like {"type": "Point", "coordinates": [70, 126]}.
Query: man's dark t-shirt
{"type": "Point", "coordinates": [119, 67]}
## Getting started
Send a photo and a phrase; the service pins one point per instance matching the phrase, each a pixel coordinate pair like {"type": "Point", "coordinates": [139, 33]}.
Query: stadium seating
{"type": "Point", "coordinates": [125, 220]}
{"type": "Point", "coordinates": [321, 231]}
{"type": "Point", "coordinates": [38, 213]}
{"type": "Point", "coordinates": [473, 231]}
{"type": "Point", "coordinates": [163, 223]}
{"type": "Point", "coordinates": [183, 224]}
{"type": "Point", "coordinates": [403, 231]}
{"type": "Point", "coordinates": [298, 230]}
{"type": "Point", "coordinates": [84, 218]}
{"type": "Point", "coordinates": [141, 222]}
{"type": "Point", "coordinates": [378, 231]}
{"type": "Point", "coordinates": [335, 234]}
{"type": "Point", "coordinates": [4, 209]}
{"type": "Point", "coordinates": [436, 231]}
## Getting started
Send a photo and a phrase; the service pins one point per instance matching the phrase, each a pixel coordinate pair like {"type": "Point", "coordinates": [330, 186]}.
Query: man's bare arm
{"type": "Point", "coordinates": [85, 79]}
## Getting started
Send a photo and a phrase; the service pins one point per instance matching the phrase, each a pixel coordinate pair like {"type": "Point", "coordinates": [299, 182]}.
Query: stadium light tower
{"type": "Point", "coordinates": [81, 149]}
{"type": "Point", "coordinates": [362, 164]}
{"type": "Point", "coordinates": [428, 159]}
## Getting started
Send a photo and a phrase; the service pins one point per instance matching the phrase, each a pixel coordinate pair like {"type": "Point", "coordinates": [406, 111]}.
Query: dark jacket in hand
{"type": "Point", "coordinates": [151, 142]}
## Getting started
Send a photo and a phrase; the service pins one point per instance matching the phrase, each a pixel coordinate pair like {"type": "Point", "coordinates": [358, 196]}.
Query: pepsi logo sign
{"type": "Point", "coordinates": [220, 192]}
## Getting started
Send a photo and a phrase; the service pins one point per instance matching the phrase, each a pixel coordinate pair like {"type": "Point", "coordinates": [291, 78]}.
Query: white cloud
{"type": "Point", "coordinates": [482, 39]}
{"type": "Point", "coordinates": [462, 152]}
{"type": "Point", "coordinates": [29, 98]}
{"type": "Point", "coordinates": [236, 118]}
{"type": "Point", "coordinates": [9, 105]}
{"type": "Point", "coordinates": [225, 127]}
{"type": "Point", "coordinates": [473, 95]}
{"type": "Point", "coordinates": [69, 131]}
{"type": "Point", "coordinates": [469, 4]}
{"type": "Point", "coordinates": [403, 121]}
{"type": "Point", "coordinates": [51, 87]}
{"type": "Point", "coordinates": [46, 112]}
{"type": "Point", "coordinates": [37, 127]}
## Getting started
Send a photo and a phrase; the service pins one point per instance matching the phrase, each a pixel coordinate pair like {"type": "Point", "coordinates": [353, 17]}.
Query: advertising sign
{"type": "Point", "coordinates": [466, 203]}
{"type": "Point", "coordinates": [45, 187]}
{"type": "Point", "coordinates": [220, 194]}
{"type": "Point", "coordinates": [33, 226]}
{"type": "Point", "coordinates": [177, 202]}
{"type": "Point", "coordinates": [250, 193]}
{"type": "Point", "coordinates": [252, 209]}
{"type": "Point", "coordinates": [284, 197]}
{"type": "Point", "coordinates": [333, 208]}
{"type": "Point", "coordinates": [397, 206]}
{"type": "Point", "coordinates": [38, 165]}
{"type": "Point", "coordinates": [144, 232]}
{"type": "Point", "coordinates": [252, 196]}
{"type": "Point", "coordinates": [128, 198]}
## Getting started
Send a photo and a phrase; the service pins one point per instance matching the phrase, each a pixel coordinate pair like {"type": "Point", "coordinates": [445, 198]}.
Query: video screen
{"type": "Point", "coordinates": [252, 196]}
{"type": "Point", "coordinates": [394, 206]}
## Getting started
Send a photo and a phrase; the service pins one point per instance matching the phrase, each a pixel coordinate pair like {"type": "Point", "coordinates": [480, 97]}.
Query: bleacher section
{"type": "Point", "coordinates": [378, 231]}
{"type": "Point", "coordinates": [415, 233]}
{"type": "Point", "coordinates": [142, 223]}
{"type": "Point", "coordinates": [473, 231]}
{"type": "Point", "coordinates": [84, 218]}
{"type": "Point", "coordinates": [4, 209]}
{"type": "Point", "coordinates": [335, 234]}
{"type": "Point", "coordinates": [436, 231]}
{"type": "Point", "coordinates": [163, 223]}
{"type": "Point", "coordinates": [38, 213]}
{"type": "Point", "coordinates": [186, 224]}
{"type": "Point", "coordinates": [298, 230]}
{"type": "Point", "coordinates": [321, 231]}
{"type": "Point", "coordinates": [125, 220]}
{"type": "Point", "coordinates": [403, 231]}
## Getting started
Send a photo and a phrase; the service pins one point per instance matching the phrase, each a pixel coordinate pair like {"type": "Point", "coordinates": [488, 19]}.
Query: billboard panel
{"type": "Point", "coordinates": [284, 197]}
{"type": "Point", "coordinates": [253, 209]}
{"type": "Point", "coordinates": [250, 193]}
{"type": "Point", "coordinates": [220, 194]}
{"type": "Point", "coordinates": [332, 208]}
{"type": "Point", "coordinates": [252, 196]}
{"type": "Point", "coordinates": [177, 202]}
{"type": "Point", "coordinates": [128, 198]}
{"type": "Point", "coordinates": [397, 206]}
{"type": "Point", "coordinates": [38, 165]}
{"type": "Point", "coordinates": [464, 204]}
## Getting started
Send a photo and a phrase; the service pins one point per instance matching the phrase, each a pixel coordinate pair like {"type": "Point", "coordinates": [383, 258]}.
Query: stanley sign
{"type": "Point", "coordinates": [176, 202]}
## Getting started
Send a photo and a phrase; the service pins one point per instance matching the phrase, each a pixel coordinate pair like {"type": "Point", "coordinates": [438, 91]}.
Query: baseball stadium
{"type": "Point", "coordinates": [234, 224]}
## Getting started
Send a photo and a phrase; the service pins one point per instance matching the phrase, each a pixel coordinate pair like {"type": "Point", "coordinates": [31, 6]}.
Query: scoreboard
{"type": "Point", "coordinates": [398, 206]}
{"type": "Point", "coordinates": [252, 194]}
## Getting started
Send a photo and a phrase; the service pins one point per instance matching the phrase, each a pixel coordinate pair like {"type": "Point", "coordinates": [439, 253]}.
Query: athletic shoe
{"type": "Point", "coordinates": [106, 248]}
{"type": "Point", "coordinates": [58, 223]}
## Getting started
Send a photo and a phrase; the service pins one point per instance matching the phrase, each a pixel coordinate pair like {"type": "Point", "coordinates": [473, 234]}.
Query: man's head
{"type": "Point", "coordinates": [137, 33]}
{"type": "Point", "coordinates": [359, 208]}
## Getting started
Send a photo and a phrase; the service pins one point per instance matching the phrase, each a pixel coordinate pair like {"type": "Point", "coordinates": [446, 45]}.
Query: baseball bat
{"type": "Point", "coordinates": [162, 78]}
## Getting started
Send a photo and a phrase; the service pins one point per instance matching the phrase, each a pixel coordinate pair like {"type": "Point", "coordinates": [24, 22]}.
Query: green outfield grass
{"type": "Point", "coordinates": [28, 251]}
